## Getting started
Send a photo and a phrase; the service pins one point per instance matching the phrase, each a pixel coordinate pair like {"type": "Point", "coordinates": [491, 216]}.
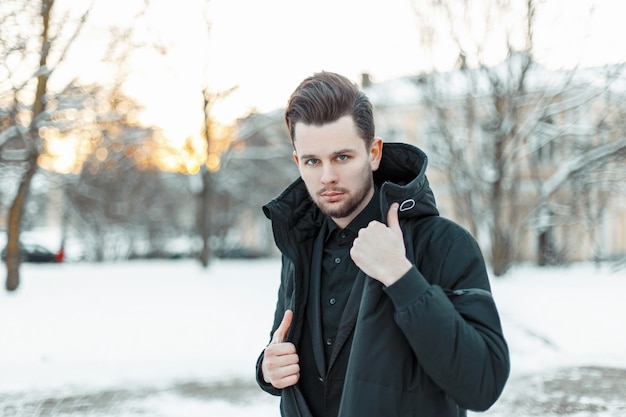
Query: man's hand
{"type": "Point", "coordinates": [379, 249]}
{"type": "Point", "coordinates": [280, 361]}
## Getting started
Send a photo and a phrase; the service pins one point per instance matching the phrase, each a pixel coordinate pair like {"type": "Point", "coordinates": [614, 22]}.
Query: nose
{"type": "Point", "coordinates": [329, 175]}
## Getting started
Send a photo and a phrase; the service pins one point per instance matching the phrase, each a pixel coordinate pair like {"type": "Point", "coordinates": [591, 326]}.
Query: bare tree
{"type": "Point", "coordinates": [39, 44]}
{"type": "Point", "coordinates": [255, 164]}
{"type": "Point", "coordinates": [216, 141]}
{"type": "Point", "coordinates": [28, 100]}
{"type": "Point", "coordinates": [509, 136]}
{"type": "Point", "coordinates": [118, 200]}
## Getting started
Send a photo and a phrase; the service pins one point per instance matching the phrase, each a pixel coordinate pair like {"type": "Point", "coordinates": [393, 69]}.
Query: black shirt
{"type": "Point", "coordinates": [339, 270]}
{"type": "Point", "coordinates": [333, 281]}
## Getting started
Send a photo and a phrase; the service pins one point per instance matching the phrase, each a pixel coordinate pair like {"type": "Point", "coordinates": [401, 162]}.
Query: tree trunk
{"type": "Point", "coordinates": [204, 217]}
{"type": "Point", "coordinates": [13, 252]}
{"type": "Point", "coordinates": [500, 252]}
{"type": "Point", "coordinates": [13, 255]}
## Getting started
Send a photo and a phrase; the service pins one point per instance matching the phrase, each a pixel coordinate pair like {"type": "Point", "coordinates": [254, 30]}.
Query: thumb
{"type": "Point", "coordinates": [392, 217]}
{"type": "Point", "coordinates": [281, 333]}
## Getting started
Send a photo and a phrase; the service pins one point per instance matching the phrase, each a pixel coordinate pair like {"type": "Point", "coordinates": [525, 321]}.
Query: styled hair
{"type": "Point", "coordinates": [324, 98]}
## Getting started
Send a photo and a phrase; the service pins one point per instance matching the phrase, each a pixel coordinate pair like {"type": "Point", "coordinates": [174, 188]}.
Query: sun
{"type": "Point", "coordinates": [60, 152]}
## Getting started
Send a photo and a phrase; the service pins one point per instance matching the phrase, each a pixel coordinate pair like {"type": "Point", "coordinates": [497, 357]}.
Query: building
{"type": "Point", "coordinates": [529, 160]}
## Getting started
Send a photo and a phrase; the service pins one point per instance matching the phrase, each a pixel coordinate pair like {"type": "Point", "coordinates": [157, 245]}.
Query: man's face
{"type": "Point", "coordinates": [336, 166]}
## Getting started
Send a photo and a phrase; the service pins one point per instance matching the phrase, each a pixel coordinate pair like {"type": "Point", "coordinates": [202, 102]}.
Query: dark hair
{"type": "Point", "coordinates": [324, 98]}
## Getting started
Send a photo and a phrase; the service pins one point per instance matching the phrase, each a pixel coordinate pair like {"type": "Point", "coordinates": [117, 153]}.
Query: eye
{"type": "Point", "coordinates": [343, 158]}
{"type": "Point", "coordinates": [311, 162]}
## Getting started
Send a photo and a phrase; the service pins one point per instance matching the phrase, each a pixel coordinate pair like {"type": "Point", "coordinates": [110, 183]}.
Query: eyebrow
{"type": "Point", "coordinates": [332, 155]}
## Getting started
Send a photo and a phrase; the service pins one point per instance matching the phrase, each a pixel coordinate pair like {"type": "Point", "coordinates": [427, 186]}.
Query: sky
{"type": "Point", "coordinates": [77, 331]}
{"type": "Point", "coordinates": [265, 48]}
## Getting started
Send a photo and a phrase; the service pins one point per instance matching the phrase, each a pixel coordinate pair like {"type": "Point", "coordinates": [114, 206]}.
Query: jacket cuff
{"type": "Point", "coordinates": [408, 289]}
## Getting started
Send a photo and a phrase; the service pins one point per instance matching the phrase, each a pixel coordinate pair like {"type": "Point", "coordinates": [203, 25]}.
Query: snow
{"type": "Point", "coordinates": [80, 328]}
{"type": "Point", "coordinates": [96, 325]}
{"type": "Point", "coordinates": [564, 317]}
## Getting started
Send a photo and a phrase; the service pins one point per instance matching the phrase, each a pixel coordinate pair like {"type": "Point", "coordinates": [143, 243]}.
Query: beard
{"type": "Point", "coordinates": [352, 202]}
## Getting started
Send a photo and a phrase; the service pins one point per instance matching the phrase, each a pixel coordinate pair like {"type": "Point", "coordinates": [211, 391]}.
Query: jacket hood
{"type": "Point", "coordinates": [401, 178]}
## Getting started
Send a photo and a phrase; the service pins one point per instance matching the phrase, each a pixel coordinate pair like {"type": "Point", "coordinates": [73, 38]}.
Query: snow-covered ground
{"type": "Point", "coordinates": [167, 338]}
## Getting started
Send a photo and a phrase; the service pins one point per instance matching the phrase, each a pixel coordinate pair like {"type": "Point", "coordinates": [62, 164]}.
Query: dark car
{"type": "Point", "coordinates": [37, 254]}
{"type": "Point", "coordinates": [240, 253]}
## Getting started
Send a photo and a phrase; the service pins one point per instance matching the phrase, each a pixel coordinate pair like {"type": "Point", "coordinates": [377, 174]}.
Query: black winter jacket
{"type": "Point", "coordinates": [430, 345]}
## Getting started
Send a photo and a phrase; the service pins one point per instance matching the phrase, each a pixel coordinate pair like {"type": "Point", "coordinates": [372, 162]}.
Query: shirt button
{"type": "Point", "coordinates": [337, 260]}
{"type": "Point", "coordinates": [343, 235]}
{"type": "Point", "coordinates": [332, 301]}
{"type": "Point", "coordinates": [329, 342]}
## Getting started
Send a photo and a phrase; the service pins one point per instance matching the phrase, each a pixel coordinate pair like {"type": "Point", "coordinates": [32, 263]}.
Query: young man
{"type": "Point", "coordinates": [384, 308]}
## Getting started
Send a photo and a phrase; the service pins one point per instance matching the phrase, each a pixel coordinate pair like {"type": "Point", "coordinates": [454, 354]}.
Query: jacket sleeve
{"type": "Point", "coordinates": [451, 321]}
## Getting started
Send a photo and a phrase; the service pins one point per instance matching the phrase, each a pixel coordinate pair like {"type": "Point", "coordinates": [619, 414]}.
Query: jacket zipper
{"type": "Point", "coordinates": [468, 291]}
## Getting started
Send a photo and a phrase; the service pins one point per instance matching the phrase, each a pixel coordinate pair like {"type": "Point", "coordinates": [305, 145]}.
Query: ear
{"type": "Point", "coordinates": [295, 158]}
{"type": "Point", "coordinates": [376, 153]}
{"type": "Point", "coordinates": [297, 161]}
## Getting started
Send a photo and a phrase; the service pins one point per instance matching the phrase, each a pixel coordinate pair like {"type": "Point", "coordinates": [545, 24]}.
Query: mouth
{"type": "Point", "coordinates": [331, 196]}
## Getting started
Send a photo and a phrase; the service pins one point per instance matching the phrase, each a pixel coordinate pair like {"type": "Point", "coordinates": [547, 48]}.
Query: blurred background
{"type": "Point", "coordinates": [149, 133]}
{"type": "Point", "coordinates": [148, 129]}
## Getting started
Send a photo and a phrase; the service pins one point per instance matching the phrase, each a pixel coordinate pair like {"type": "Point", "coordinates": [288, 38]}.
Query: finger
{"type": "Point", "coordinates": [287, 381]}
{"type": "Point", "coordinates": [277, 366]}
{"type": "Point", "coordinates": [281, 333]}
{"type": "Point", "coordinates": [392, 217]}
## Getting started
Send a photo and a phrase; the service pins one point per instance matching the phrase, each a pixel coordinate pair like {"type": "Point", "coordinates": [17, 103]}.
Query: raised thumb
{"type": "Point", "coordinates": [392, 217]}
{"type": "Point", "coordinates": [281, 333]}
